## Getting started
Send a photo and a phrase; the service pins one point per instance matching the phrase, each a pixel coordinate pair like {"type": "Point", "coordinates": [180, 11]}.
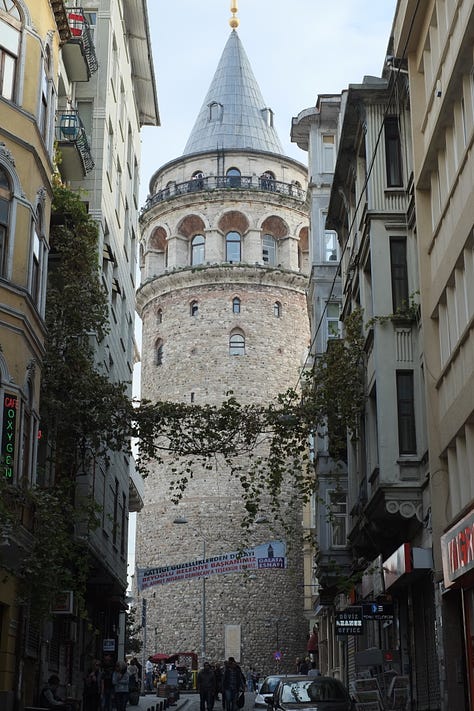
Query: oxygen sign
{"type": "Point", "coordinates": [7, 459]}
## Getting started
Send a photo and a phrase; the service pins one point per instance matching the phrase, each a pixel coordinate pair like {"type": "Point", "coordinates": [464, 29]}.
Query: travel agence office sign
{"type": "Point", "coordinates": [457, 548]}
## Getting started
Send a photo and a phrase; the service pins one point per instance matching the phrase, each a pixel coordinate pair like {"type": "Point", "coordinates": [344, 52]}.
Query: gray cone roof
{"type": "Point", "coordinates": [239, 119]}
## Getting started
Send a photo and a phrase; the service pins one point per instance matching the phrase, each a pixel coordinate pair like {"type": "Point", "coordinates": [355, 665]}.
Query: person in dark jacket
{"type": "Point", "coordinates": [91, 696]}
{"type": "Point", "coordinates": [233, 684]}
{"type": "Point", "coordinates": [49, 698]}
{"type": "Point", "coordinates": [206, 686]}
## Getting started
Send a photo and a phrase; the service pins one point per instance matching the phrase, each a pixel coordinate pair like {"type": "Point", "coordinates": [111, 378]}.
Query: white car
{"type": "Point", "coordinates": [268, 686]}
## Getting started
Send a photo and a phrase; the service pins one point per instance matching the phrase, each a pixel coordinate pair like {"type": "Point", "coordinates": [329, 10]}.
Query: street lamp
{"type": "Point", "coordinates": [180, 520]}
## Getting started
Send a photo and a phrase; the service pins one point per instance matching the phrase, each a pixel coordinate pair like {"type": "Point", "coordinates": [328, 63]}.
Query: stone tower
{"type": "Point", "coordinates": [224, 262]}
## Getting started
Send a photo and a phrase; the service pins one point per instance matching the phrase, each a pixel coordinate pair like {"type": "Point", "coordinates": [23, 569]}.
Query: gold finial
{"type": "Point", "coordinates": [234, 21]}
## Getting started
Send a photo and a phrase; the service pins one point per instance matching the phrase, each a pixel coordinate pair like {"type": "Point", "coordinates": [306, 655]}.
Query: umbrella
{"type": "Point", "coordinates": [156, 658]}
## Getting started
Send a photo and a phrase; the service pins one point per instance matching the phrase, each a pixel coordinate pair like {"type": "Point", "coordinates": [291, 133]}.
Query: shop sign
{"type": "Point", "coordinates": [349, 621]}
{"type": "Point", "coordinates": [7, 458]}
{"type": "Point", "coordinates": [404, 561]}
{"type": "Point", "coordinates": [63, 603]}
{"type": "Point", "coordinates": [457, 549]}
{"type": "Point", "coordinates": [377, 611]}
{"type": "Point", "coordinates": [108, 645]}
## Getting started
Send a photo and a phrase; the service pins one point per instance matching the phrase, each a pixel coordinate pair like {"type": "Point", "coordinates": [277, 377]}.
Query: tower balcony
{"type": "Point", "coordinates": [76, 159]}
{"type": "Point", "coordinates": [211, 183]}
{"type": "Point", "coordinates": [78, 51]}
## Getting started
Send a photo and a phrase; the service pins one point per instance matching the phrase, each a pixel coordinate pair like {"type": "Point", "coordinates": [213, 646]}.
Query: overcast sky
{"type": "Point", "coordinates": [297, 48]}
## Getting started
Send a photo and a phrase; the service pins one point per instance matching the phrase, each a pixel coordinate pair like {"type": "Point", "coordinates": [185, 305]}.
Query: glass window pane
{"type": "Point", "coordinates": [9, 38]}
{"type": "Point", "coordinates": [330, 246]}
{"type": "Point", "coordinates": [8, 77]}
{"type": "Point", "coordinates": [232, 247]}
{"type": "Point", "coordinates": [236, 344]}
{"type": "Point", "coordinates": [197, 250]}
{"type": "Point", "coordinates": [269, 250]}
{"type": "Point", "coordinates": [4, 205]}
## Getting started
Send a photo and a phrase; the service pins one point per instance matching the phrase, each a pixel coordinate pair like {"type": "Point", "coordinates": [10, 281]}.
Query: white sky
{"type": "Point", "coordinates": [297, 49]}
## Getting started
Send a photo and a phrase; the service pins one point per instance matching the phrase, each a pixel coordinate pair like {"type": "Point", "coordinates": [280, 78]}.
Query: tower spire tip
{"type": "Point", "coordinates": [234, 21]}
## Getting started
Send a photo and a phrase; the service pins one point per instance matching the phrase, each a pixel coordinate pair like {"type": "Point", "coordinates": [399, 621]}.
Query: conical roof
{"type": "Point", "coordinates": [234, 114]}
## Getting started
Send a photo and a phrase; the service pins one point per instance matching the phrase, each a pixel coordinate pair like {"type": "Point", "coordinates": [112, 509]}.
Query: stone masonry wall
{"type": "Point", "coordinates": [196, 367]}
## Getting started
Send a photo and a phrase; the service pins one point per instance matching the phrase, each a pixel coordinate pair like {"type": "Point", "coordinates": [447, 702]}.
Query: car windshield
{"type": "Point", "coordinates": [297, 692]}
{"type": "Point", "coordinates": [269, 685]}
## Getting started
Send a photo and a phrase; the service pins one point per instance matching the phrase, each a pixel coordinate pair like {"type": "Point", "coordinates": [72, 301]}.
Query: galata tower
{"type": "Point", "coordinates": [224, 270]}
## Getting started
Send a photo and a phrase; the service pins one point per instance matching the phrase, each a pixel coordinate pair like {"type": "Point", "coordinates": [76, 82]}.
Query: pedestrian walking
{"type": "Point", "coordinates": [106, 684]}
{"type": "Point", "coordinates": [233, 684]}
{"type": "Point", "coordinates": [149, 675]}
{"type": "Point", "coordinates": [206, 686]}
{"type": "Point", "coordinates": [120, 680]}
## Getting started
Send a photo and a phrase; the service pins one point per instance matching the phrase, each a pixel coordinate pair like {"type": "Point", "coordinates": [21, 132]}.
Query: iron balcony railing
{"type": "Point", "coordinates": [80, 30]}
{"type": "Point", "coordinates": [70, 130]}
{"type": "Point", "coordinates": [224, 182]}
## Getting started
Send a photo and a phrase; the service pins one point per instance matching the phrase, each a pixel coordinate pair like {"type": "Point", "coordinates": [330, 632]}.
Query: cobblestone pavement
{"type": "Point", "coordinates": [187, 702]}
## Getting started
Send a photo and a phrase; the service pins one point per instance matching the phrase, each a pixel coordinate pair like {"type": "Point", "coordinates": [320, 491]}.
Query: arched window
{"type": "Point", "coordinates": [198, 244]}
{"type": "Point", "coordinates": [269, 250]}
{"type": "Point", "coordinates": [159, 316]}
{"type": "Point", "coordinates": [193, 308]}
{"type": "Point", "coordinates": [159, 352]}
{"type": "Point", "coordinates": [215, 111]}
{"type": "Point", "coordinates": [277, 309]}
{"type": "Point", "coordinates": [236, 305]}
{"type": "Point", "coordinates": [237, 343]}
{"type": "Point", "coordinates": [233, 178]}
{"type": "Point", "coordinates": [232, 247]}
{"type": "Point", "coordinates": [5, 200]}
{"type": "Point", "coordinates": [10, 29]}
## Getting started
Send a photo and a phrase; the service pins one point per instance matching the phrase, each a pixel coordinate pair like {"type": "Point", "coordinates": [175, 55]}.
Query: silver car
{"type": "Point", "coordinates": [267, 687]}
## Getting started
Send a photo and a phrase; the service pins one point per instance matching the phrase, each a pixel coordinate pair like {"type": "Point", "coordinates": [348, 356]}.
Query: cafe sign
{"type": "Point", "coordinates": [7, 456]}
{"type": "Point", "coordinates": [457, 550]}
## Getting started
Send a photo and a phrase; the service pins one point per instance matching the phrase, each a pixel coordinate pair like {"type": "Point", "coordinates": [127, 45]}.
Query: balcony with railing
{"type": "Point", "coordinates": [76, 160]}
{"type": "Point", "coordinates": [78, 52]}
{"type": "Point", "coordinates": [225, 182]}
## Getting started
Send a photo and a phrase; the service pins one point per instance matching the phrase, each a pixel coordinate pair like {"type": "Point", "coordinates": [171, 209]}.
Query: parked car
{"type": "Point", "coordinates": [323, 693]}
{"type": "Point", "coordinates": [267, 686]}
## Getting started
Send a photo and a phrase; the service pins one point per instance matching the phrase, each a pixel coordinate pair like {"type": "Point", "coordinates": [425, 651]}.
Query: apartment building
{"type": "Point", "coordinates": [326, 554]}
{"type": "Point", "coordinates": [31, 33]}
{"type": "Point", "coordinates": [106, 93]}
{"type": "Point", "coordinates": [371, 208]}
{"type": "Point", "coordinates": [77, 84]}
{"type": "Point", "coordinates": [433, 44]}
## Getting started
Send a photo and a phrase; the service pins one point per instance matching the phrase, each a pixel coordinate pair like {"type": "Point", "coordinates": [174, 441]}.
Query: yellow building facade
{"type": "Point", "coordinates": [30, 36]}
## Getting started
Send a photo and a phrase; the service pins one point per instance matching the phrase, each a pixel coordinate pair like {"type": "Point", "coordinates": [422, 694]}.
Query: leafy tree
{"type": "Point", "coordinates": [264, 447]}
{"type": "Point", "coordinates": [133, 644]}
{"type": "Point", "coordinates": [81, 412]}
